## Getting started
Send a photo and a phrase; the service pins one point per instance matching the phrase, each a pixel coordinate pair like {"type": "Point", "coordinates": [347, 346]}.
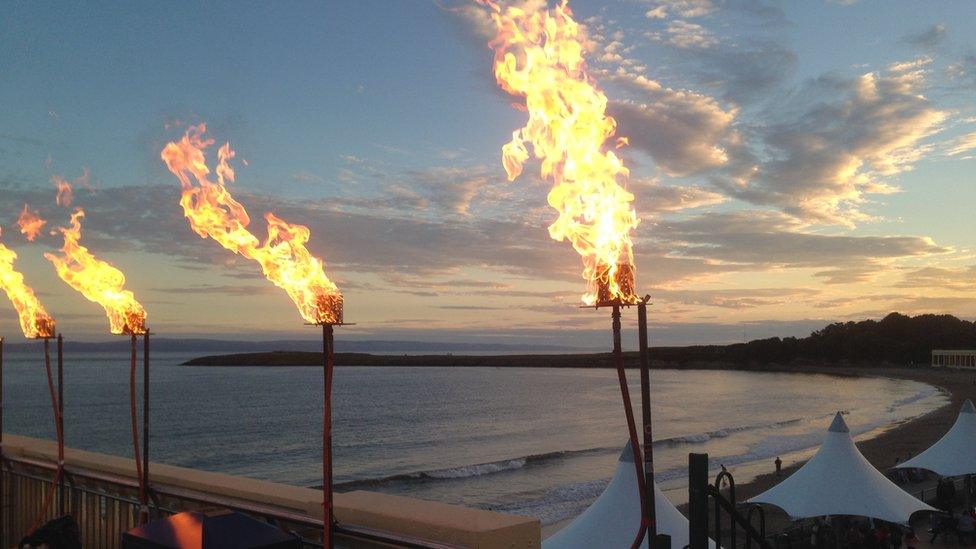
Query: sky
{"type": "Point", "coordinates": [793, 163]}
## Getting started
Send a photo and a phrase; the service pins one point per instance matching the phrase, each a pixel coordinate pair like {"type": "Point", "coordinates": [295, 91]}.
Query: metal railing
{"type": "Point", "coordinates": [106, 505]}
{"type": "Point", "coordinates": [740, 517]}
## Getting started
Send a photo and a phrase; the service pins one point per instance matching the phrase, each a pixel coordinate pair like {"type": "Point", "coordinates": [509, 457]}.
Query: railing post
{"type": "Point", "coordinates": [698, 501]}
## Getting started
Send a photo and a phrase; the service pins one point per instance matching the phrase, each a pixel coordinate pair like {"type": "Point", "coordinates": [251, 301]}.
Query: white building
{"type": "Point", "coordinates": [955, 358]}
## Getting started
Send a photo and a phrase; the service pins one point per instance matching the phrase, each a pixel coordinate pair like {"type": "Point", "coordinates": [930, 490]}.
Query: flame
{"type": "Point", "coordinates": [65, 194]}
{"type": "Point", "coordinates": [539, 56]}
{"type": "Point", "coordinates": [30, 223]}
{"type": "Point", "coordinates": [98, 281]}
{"type": "Point", "coordinates": [213, 212]}
{"type": "Point", "coordinates": [34, 320]}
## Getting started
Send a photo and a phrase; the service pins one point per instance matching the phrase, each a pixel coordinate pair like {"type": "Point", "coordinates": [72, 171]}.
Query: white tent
{"type": "Point", "coordinates": [838, 480]}
{"type": "Point", "coordinates": [955, 453]}
{"type": "Point", "coordinates": [612, 520]}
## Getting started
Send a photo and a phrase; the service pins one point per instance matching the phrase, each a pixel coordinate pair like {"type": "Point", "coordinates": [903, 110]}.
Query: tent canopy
{"type": "Point", "coordinates": [955, 453]}
{"type": "Point", "coordinates": [613, 519]}
{"type": "Point", "coordinates": [838, 480]}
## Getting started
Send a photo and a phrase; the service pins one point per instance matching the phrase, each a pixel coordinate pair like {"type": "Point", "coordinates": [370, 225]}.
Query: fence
{"type": "Point", "coordinates": [101, 493]}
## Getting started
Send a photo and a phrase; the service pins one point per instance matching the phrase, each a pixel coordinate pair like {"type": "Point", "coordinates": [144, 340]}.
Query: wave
{"type": "Point", "coordinates": [511, 464]}
{"type": "Point", "coordinates": [698, 438]}
{"type": "Point", "coordinates": [468, 471]}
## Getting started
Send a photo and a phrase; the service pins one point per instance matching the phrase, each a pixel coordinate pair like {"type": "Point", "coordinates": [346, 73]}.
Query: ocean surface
{"type": "Point", "coordinates": [538, 442]}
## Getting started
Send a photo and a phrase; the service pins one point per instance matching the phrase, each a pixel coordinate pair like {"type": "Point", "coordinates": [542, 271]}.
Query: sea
{"type": "Point", "coordinates": [530, 441]}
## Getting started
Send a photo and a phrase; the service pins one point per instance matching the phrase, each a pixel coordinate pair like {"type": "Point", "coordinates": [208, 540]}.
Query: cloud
{"type": "Point", "coordinates": [684, 132]}
{"type": "Point", "coordinates": [958, 279]}
{"type": "Point", "coordinates": [679, 8]}
{"type": "Point", "coordinates": [963, 72]}
{"type": "Point", "coordinates": [847, 137]}
{"type": "Point", "coordinates": [652, 198]}
{"type": "Point", "coordinates": [211, 289]}
{"type": "Point", "coordinates": [307, 177]}
{"type": "Point", "coordinates": [742, 298]}
{"type": "Point", "coordinates": [767, 240]}
{"type": "Point", "coordinates": [962, 144]}
{"type": "Point", "coordinates": [685, 35]}
{"type": "Point", "coordinates": [928, 38]}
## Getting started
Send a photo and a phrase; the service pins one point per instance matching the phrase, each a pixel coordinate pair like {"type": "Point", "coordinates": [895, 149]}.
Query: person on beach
{"type": "Point", "coordinates": [911, 539]}
{"type": "Point", "coordinates": [945, 494]}
{"type": "Point", "coordinates": [936, 522]}
{"type": "Point", "coordinates": [966, 529]}
{"type": "Point", "coordinates": [896, 537]}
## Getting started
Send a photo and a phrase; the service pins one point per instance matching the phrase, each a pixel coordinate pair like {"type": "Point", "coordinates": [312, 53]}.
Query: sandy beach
{"type": "Point", "coordinates": [898, 442]}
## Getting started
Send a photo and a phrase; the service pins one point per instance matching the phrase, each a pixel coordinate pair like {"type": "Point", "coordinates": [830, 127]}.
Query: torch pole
{"type": "Point", "coordinates": [56, 481]}
{"type": "Point", "coordinates": [3, 499]}
{"type": "Point", "coordinates": [135, 423]}
{"type": "Point", "coordinates": [618, 359]}
{"type": "Point", "coordinates": [328, 357]}
{"type": "Point", "coordinates": [144, 503]}
{"type": "Point", "coordinates": [645, 376]}
{"type": "Point", "coordinates": [61, 487]}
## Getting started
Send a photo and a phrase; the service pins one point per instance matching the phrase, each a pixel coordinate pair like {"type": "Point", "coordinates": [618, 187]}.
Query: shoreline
{"type": "Point", "coordinates": [898, 441]}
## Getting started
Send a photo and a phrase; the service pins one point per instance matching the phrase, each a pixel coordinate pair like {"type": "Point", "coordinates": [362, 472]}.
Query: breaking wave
{"type": "Point", "coordinates": [501, 466]}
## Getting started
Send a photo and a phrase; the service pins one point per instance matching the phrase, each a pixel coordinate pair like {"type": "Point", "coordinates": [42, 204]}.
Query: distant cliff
{"type": "Point", "coordinates": [895, 339]}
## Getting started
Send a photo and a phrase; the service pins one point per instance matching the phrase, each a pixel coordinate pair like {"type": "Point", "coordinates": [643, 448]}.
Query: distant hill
{"type": "Point", "coordinates": [895, 339]}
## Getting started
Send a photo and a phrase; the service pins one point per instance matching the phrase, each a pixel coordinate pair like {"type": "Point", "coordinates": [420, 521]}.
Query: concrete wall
{"type": "Point", "coordinates": [433, 521]}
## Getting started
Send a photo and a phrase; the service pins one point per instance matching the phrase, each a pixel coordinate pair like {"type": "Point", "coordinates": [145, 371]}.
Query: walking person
{"type": "Point", "coordinates": [966, 529]}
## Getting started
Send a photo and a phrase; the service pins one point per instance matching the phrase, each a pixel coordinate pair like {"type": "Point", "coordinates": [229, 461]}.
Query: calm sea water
{"type": "Point", "coordinates": [531, 441]}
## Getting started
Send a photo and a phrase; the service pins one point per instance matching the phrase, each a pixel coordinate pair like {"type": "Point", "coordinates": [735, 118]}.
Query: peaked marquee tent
{"type": "Point", "coordinates": [838, 480]}
{"type": "Point", "coordinates": [612, 520]}
{"type": "Point", "coordinates": [955, 453]}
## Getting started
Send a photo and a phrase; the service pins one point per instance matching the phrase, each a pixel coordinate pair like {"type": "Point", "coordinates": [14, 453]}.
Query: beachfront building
{"type": "Point", "coordinates": [955, 358]}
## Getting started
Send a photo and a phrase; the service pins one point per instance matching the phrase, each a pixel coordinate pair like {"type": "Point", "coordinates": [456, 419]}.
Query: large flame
{"type": "Point", "coordinates": [34, 320]}
{"type": "Point", "coordinates": [30, 223]}
{"type": "Point", "coordinates": [98, 281]}
{"type": "Point", "coordinates": [539, 56]}
{"type": "Point", "coordinates": [214, 213]}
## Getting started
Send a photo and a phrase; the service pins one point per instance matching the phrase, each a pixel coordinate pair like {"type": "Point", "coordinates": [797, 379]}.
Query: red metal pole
{"type": "Point", "coordinates": [631, 424]}
{"type": "Point", "coordinates": [52, 492]}
{"type": "Point", "coordinates": [144, 511]}
{"type": "Point", "coordinates": [328, 363]}
{"type": "Point", "coordinates": [645, 376]}
{"type": "Point", "coordinates": [61, 487]}
{"type": "Point", "coordinates": [135, 423]}
{"type": "Point", "coordinates": [3, 537]}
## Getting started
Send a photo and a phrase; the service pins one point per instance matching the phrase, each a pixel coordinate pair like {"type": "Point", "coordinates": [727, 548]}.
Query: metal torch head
{"type": "Point", "coordinates": [330, 309]}
{"type": "Point", "coordinates": [621, 292]}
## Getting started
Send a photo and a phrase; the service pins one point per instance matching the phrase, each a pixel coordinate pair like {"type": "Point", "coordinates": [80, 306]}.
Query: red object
{"type": "Point", "coordinates": [211, 530]}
